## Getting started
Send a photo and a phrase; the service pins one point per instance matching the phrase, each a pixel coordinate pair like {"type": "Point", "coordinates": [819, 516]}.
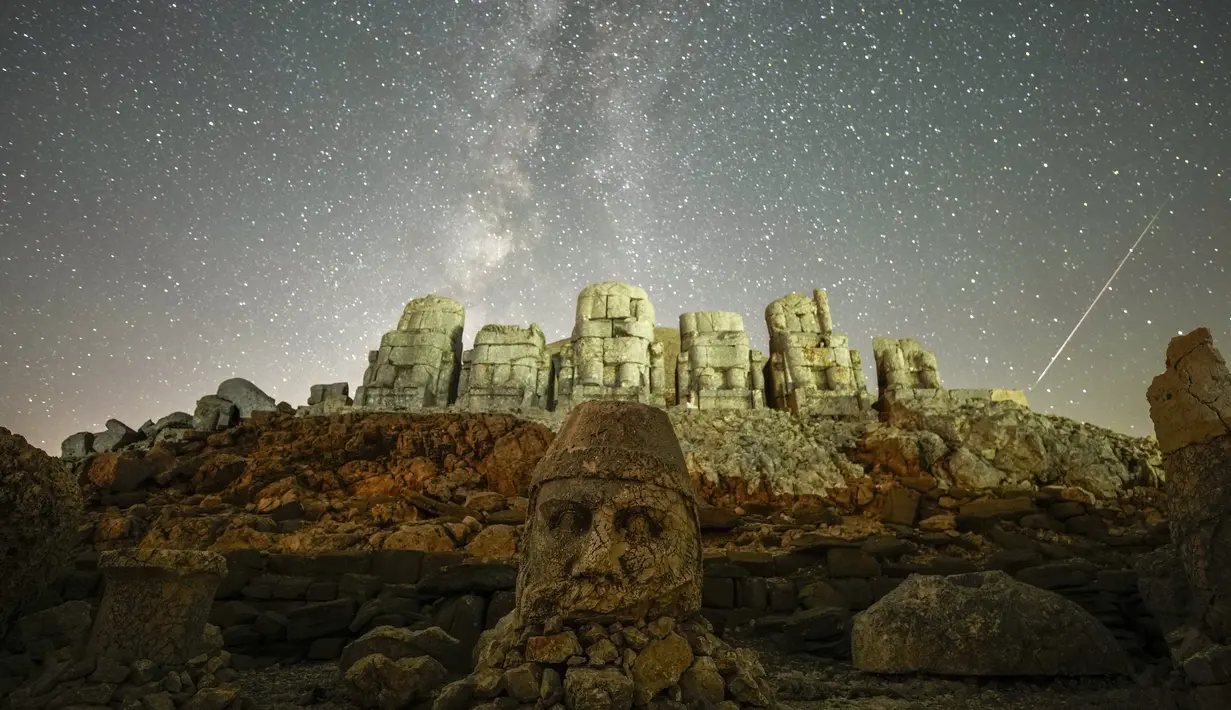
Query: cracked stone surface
{"type": "Point", "coordinates": [614, 528]}
{"type": "Point", "coordinates": [155, 603]}
{"type": "Point", "coordinates": [1190, 403]}
{"type": "Point", "coordinates": [1191, 406]}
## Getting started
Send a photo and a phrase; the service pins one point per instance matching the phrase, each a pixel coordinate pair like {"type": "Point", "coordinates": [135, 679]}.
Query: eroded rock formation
{"type": "Point", "coordinates": [1190, 404]}
{"type": "Point", "coordinates": [38, 528]}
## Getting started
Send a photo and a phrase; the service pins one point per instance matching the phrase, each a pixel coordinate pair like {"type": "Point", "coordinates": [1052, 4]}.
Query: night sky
{"type": "Point", "coordinates": [197, 190]}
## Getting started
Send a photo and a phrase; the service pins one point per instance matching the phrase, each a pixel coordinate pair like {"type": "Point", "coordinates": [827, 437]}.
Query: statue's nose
{"type": "Point", "coordinates": [601, 552]}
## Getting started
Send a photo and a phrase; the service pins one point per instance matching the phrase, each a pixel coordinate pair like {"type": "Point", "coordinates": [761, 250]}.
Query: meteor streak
{"type": "Point", "coordinates": [1100, 295]}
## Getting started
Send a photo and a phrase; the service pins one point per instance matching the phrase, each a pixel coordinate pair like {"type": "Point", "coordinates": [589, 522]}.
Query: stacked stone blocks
{"type": "Point", "coordinates": [717, 368]}
{"type": "Point", "coordinates": [614, 353]}
{"type": "Point", "coordinates": [811, 368]}
{"type": "Point", "coordinates": [507, 369]}
{"type": "Point", "coordinates": [419, 363]}
{"type": "Point", "coordinates": [906, 373]}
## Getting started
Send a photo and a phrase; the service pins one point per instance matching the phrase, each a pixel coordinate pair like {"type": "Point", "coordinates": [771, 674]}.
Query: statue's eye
{"type": "Point", "coordinates": [569, 519]}
{"type": "Point", "coordinates": [639, 523]}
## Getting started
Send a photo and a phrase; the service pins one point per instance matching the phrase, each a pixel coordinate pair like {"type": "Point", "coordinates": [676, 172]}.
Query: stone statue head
{"type": "Point", "coordinates": [612, 528]}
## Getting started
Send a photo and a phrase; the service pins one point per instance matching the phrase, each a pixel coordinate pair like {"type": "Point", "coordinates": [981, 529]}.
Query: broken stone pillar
{"type": "Point", "coordinates": [155, 603]}
{"type": "Point", "coordinates": [328, 399]}
{"type": "Point", "coordinates": [419, 363]}
{"type": "Point", "coordinates": [907, 374]}
{"type": "Point", "coordinates": [507, 369]}
{"type": "Point", "coordinates": [1190, 405]}
{"type": "Point", "coordinates": [614, 353]}
{"type": "Point", "coordinates": [902, 363]}
{"type": "Point", "coordinates": [717, 367]}
{"type": "Point", "coordinates": [811, 368]}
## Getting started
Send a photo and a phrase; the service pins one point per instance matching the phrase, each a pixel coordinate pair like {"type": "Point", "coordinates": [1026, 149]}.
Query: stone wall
{"type": "Point", "coordinates": [801, 592]}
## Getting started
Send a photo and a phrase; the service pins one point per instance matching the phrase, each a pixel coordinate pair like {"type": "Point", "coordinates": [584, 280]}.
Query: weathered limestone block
{"type": "Point", "coordinates": [1190, 405]}
{"type": "Point", "coordinates": [155, 603]}
{"type": "Point", "coordinates": [717, 367]}
{"type": "Point", "coordinates": [906, 374]}
{"type": "Point", "coordinates": [613, 353]}
{"type": "Point", "coordinates": [508, 368]}
{"type": "Point", "coordinates": [982, 624]}
{"type": "Point", "coordinates": [811, 368]}
{"type": "Point", "coordinates": [214, 413]}
{"type": "Point", "coordinates": [903, 363]}
{"type": "Point", "coordinates": [328, 399]}
{"type": "Point", "coordinates": [419, 363]}
{"type": "Point", "coordinates": [77, 446]}
{"type": "Point", "coordinates": [246, 397]}
{"type": "Point", "coordinates": [117, 436]}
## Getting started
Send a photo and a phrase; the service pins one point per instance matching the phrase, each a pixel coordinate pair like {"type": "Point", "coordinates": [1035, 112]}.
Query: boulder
{"type": "Point", "coordinates": [378, 683]}
{"type": "Point", "coordinates": [246, 397]}
{"type": "Point", "coordinates": [982, 624]}
{"type": "Point", "coordinates": [174, 420]}
{"type": "Point", "coordinates": [608, 689]}
{"type": "Point", "coordinates": [1190, 405]}
{"type": "Point", "coordinates": [214, 413]}
{"type": "Point", "coordinates": [117, 436]}
{"type": "Point", "coordinates": [77, 446]}
{"type": "Point", "coordinates": [119, 471]}
{"type": "Point", "coordinates": [42, 507]}
{"type": "Point", "coordinates": [397, 643]}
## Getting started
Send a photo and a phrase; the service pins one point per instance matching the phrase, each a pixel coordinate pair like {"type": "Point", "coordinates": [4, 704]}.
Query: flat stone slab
{"type": "Point", "coordinates": [181, 562]}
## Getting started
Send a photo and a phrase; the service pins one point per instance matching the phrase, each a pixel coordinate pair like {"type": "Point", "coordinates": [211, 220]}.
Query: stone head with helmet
{"type": "Point", "coordinates": [612, 529]}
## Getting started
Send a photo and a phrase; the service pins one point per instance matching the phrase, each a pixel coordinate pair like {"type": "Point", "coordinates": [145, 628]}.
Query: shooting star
{"type": "Point", "coordinates": [1100, 295]}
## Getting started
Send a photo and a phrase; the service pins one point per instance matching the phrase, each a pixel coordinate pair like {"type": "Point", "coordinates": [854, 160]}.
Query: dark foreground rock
{"type": "Point", "coordinates": [982, 624]}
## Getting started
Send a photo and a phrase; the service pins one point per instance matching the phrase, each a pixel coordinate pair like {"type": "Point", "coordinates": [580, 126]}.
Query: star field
{"type": "Point", "coordinates": [192, 191]}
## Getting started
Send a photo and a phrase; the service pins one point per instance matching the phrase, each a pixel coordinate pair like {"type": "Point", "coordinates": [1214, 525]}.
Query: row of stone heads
{"type": "Point", "coordinates": [616, 348]}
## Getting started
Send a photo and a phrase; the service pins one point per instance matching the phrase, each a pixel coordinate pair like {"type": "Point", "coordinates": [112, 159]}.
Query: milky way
{"type": "Point", "coordinates": [192, 191]}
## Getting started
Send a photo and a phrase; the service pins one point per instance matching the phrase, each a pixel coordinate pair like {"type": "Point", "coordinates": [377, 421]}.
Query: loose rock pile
{"type": "Point", "coordinates": [664, 664]}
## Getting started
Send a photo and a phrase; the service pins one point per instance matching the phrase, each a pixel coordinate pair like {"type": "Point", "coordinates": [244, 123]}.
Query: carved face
{"type": "Point", "coordinates": [614, 548]}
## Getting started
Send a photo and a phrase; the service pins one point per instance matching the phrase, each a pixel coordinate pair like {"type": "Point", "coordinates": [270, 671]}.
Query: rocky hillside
{"type": "Point", "coordinates": [450, 480]}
